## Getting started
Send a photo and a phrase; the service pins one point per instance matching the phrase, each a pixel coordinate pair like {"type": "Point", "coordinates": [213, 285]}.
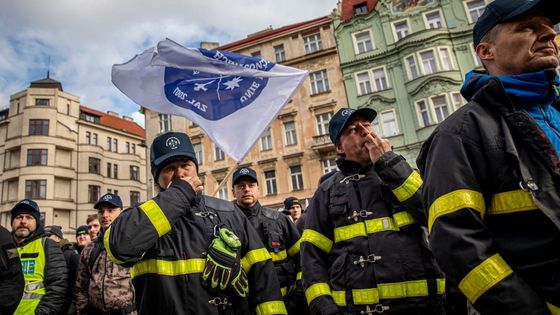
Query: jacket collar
{"type": "Point", "coordinates": [348, 167]}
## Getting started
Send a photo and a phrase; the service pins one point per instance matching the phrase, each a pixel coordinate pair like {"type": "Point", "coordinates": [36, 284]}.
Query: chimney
{"type": "Point", "coordinates": [127, 118]}
{"type": "Point", "coordinates": [112, 113]}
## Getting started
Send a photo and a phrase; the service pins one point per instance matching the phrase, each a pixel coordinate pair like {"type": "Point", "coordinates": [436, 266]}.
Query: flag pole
{"type": "Point", "coordinates": [225, 179]}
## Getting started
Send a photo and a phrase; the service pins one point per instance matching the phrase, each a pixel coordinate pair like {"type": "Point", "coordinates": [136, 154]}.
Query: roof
{"type": "Point", "coordinates": [117, 123]}
{"type": "Point", "coordinates": [47, 83]}
{"type": "Point", "coordinates": [274, 33]}
{"type": "Point", "coordinates": [348, 11]}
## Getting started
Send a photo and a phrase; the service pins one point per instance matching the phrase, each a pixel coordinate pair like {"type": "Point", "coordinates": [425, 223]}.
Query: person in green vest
{"type": "Point", "coordinates": [42, 262]}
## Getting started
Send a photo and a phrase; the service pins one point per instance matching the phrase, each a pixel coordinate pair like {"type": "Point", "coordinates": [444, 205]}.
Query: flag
{"type": "Point", "coordinates": [232, 97]}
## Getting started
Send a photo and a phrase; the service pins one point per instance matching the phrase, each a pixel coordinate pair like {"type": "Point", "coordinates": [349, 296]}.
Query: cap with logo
{"type": "Point", "coordinates": [82, 230]}
{"type": "Point", "coordinates": [54, 229]}
{"type": "Point", "coordinates": [344, 115]}
{"type": "Point", "coordinates": [500, 11]}
{"type": "Point", "coordinates": [27, 206]}
{"type": "Point", "coordinates": [168, 147]}
{"type": "Point", "coordinates": [290, 201]}
{"type": "Point", "coordinates": [244, 172]}
{"type": "Point", "coordinates": [110, 199]}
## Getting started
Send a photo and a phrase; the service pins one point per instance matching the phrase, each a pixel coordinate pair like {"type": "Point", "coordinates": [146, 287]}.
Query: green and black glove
{"type": "Point", "coordinates": [223, 265]}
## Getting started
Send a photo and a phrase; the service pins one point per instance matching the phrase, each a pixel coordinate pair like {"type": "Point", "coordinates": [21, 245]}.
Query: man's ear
{"type": "Point", "coordinates": [485, 51]}
{"type": "Point", "coordinates": [339, 149]}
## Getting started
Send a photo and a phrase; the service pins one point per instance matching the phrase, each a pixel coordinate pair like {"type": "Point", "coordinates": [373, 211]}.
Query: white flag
{"type": "Point", "coordinates": [231, 96]}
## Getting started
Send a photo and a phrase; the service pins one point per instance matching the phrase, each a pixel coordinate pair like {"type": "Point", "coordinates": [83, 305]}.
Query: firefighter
{"type": "Point", "coordinates": [363, 249]}
{"type": "Point", "coordinates": [277, 232]}
{"type": "Point", "coordinates": [191, 254]}
{"type": "Point", "coordinates": [491, 170]}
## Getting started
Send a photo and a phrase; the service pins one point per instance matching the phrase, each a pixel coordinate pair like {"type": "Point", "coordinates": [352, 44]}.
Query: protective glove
{"type": "Point", "coordinates": [222, 261]}
{"type": "Point", "coordinates": [239, 282]}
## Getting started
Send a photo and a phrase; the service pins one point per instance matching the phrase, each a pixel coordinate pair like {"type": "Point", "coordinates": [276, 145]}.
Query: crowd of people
{"type": "Point", "coordinates": [474, 230]}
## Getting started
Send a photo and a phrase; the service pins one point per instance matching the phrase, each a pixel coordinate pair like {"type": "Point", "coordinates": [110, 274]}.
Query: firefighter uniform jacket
{"type": "Point", "coordinates": [281, 238]}
{"type": "Point", "coordinates": [491, 191]}
{"type": "Point", "coordinates": [165, 241]}
{"type": "Point", "coordinates": [363, 249]}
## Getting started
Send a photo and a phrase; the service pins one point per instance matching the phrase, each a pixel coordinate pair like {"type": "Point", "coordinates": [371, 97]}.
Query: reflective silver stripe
{"type": "Point", "coordinates": [31, 296]}
{"type": "Point", "coordinates": [34, 286]}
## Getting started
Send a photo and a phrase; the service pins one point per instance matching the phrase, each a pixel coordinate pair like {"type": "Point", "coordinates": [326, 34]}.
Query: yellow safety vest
{"type": "Point", "coordinates": [33, 263]}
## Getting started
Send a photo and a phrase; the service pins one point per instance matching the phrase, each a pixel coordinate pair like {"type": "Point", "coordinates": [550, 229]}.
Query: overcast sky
{"type": "Point", "coordinates": [85, 38]}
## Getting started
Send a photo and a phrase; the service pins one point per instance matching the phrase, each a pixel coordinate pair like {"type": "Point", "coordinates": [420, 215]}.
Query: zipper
{"type": "Point", "coordinates": [545, 118]}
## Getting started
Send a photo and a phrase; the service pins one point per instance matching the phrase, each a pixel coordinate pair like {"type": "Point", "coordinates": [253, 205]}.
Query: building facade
{"type": "Point", "coordinates": [65, 155]}
{"type": "Point", "coordinates": [295, 150]}
{"type": "Point", "coordinates": [406, 59]}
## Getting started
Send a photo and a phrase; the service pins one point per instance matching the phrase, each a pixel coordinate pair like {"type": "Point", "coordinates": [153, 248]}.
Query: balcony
{"type": "Point", "coordinates": [322, 143]}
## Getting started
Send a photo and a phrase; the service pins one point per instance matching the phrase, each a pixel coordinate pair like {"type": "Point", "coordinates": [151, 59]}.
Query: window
{"type": "Point", "coordinates": [94, 165]}
{"type": "Point", "coordinates": [458, 99]}
{"type": "Point", "coordinates": [297, 177]}
{"type": "Point", "coordinates": [312, 43]}
{"type": "Point", "coordinates": [164, 123]}
{"type": "Point", "coordinates": [94, 139]}
{"type": "Point", "coordinates": [115, 170]}
{"type": "Point", "coordinates": [109, 144]}
{"type": "Point", "coordinates": [127, 146]}
{"type": "Point", "coordinates": [198, 152]}
{"type": "Point", "coordinates": [39, 127]}
{"type": "Point", "coordinates": [433, 19]}
{"type": "Point", "coordinates": [218, 153]}
{"type": "Point", "coordinates": [380, 79]}
{"type": "Point", "coordinates": [423, 112]}
{"type": "Point", "coordinates": [363, 42]}
{"type": "Point", "coordinates": [88, 137]}
{"type": "Point", "coordinates": [411, 67]}
{"type": "Point", "coordinates": [475, 8]}
{"type": "Point", "coordinates": [134, 172]}
{"type": "Point", "coordinates": [266, 140]}
{"type": "Point", "coordinates": [290, 132]}
{"type": "Point", "coordinates": [445, 58]}
{"type": "Point", "coordinates": [88, 117]}
{"type": "Point", "coordinates": [42, 102]}
{"type": "Point", "coordinates": [94, 193]}
{"type": "Point", "coordinates": [441, 107]}
{"type": "Point", "coordinates": [109, 169]}
{"type": "Point", "coordinates": [115, 145]}
{"type": "Point", "coordinates": [360, 8]}
{"type": "Point", "coordinates": [364, 84]}
{"type": "Point", "coordinates": [329, 165]}
{"type": "Point", "coordinates": [319, 82]}
{"type": "Point", "coordinates": [428, 62]}
{"type": "Point", "coordinates": [256, 54]}
{"type": "Point", "coordinates": [134, 197]}
{"type": "Point", "coordinates": [36, 189]}
{"type": "Point", "coordinates": [401, 29]}
{"type": "Point", "coordinates": [36, 157]}
{"type": "Point", "coordinates": [386, 124]}
{"type": "Point", "coordinates": [279, 53]}
{"type": "Point", "coordinates": [223, 192]}
{"type": "Point", "coordinates": [133, 148]}
{"type": "Point", "coordinates": [323, 123]}
{"type": "Point", "coordinates": [270, 180]}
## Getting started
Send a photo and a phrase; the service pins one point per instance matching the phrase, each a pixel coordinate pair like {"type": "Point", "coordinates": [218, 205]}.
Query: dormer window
{"type": "Point", "coordinates": [361, 8]}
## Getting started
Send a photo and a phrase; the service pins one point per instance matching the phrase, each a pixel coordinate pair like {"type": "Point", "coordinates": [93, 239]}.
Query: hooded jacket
{"type": "Point", "coordinates": [491, 193]}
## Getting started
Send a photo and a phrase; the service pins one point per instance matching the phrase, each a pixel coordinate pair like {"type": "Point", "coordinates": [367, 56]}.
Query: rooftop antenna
{"type": "Point", "coordinates": [49, 68]}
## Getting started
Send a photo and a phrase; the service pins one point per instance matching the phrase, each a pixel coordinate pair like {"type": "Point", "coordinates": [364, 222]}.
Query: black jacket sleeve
{"type": "Point", "coordinates": [11, 277]}
{"type": "Point", "coordinates": [454, 171]}
{"type": "Point", "coordinates": [55, 280]}
{"type": "Point", "coordinates": [72, 262]}
{"type": "Point", "coordinates": [137, 229]}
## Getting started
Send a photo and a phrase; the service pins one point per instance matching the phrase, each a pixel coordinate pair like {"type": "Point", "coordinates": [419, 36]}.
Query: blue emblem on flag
{"type": "Point", "coordinates": [215, 96]}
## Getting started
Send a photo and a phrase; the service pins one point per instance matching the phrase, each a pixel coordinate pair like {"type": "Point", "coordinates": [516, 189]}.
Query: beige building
{"type": "Point", "coordinates": [65, 156]}
{"type": "Point", "coordinates": [295, 150]}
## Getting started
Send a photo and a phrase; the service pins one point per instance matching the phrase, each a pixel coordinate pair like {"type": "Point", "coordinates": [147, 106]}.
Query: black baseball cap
{"type": "Point", "coordinates": [27, 206]}
{"type": "Point", "coordinates": [290, 201]}
{"type": "Point", "coordinates": [244, 171]}
{"type": "Point", "coordinates": [82, 230]}
{"type": "Point", "coordinates": [344, 115]}
{"type": "Point", "coordinates": [168, 147]}
{"type": "Point", "coordinates": [110, 199]}
{"type": "Point", "coordinates": [500, 11]}
{"type": "Point", "coordinates": [54, 229]}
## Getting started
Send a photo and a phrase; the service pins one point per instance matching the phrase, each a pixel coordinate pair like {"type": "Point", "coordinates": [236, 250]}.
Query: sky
{"type": "Point", "coordinates": [78, 41]}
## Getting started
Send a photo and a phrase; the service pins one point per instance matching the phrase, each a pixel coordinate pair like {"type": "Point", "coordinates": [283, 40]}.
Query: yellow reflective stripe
{"type": "Point", "coordinates": [317, 290]}
{"type": "Point", "coordinates": [403, 289]}
{"type": "Point", "coordinates": [284, 290]}
{"type": "Point", "coordinates": [344, 233]}
{"type": "Point", "coordinates": [282, 255]}
{"type": "Point", "coordinates": [294, 250]}
{"type": "Point", "coordinates": [403, 218]}
{"type": "Point", "coordinates": [168, 267]}
{"type": "Point", "coordinates": [380, 225]}
{"type": "Point", "coordinates": [440, 286]}
{"type": "Point", "coordinates": [253, 257]}
{"type": "Point", "coordinates": [511, 201]}
{"type": "Point", "coordinates": [484, 276]}
{"type": "Point", "coordinates": [317, 239]}
{"type": "Point", "coordinates": [365, 296]}
{"type": "Point", "coordinates": [272, 307]}
{"type": "Point", "coordinates": [106, 236]}
{"type": "Point", "coordinates": [339, 298]}
{"type": "Point", "coordinates": [409, 187]}
{"type": "Point", "coordinates": [454, 201]}
{"type": "Point", "coordinates": [156, 216]}
{"type": "Point", "coordinates": [298, 276]}
{"type": "Point", "coordinates": [554, 310]}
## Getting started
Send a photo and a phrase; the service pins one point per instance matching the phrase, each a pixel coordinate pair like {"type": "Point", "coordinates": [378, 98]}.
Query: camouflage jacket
{"type": "Point", "coordinates": [104, 285]}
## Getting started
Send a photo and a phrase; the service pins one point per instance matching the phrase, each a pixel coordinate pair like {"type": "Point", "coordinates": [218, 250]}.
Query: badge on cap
{"type": "Point", "coordinates": [107, 197]}
{"type": "Point", "coordinates": [347, 112]}
{"type": "Point", "coordinates": [172, 143]}
{"type": "Point", "coordinates": [244, 171]}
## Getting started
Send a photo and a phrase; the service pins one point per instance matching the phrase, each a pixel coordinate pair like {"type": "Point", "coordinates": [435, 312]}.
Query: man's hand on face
{"type": "Point", "coordinates": [376, 146]}
{"type": "Point", "coordinates": [194, 181]}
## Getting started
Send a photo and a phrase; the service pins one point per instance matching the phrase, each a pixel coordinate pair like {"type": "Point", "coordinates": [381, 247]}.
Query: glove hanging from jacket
{"type": "Point", "coordinates": [223, 265]}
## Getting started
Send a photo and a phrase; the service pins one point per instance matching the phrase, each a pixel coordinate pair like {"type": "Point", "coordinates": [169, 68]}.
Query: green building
{"type": "Point", "coordinates": [407, 60]}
